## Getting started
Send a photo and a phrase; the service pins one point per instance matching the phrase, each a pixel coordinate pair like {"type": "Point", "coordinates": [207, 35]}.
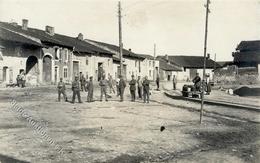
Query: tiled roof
{"type": "Point", "coordinates": [164, 65]}
{"type": "Point", "coordinates": [249, 45]}
{"type": "Point", "coordinates": [8, 35]}
{"type": "Point", "coordinates": [126, 53]}
{"type": "Point", "coordinates": [146, 56]}
{"type": "Point", "coordinates": [57, 39]}
{"type": "Point", "coordinates": [190, 61]}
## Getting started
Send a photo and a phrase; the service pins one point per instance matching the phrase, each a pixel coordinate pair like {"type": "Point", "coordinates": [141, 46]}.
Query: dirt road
{"type": "Point", "coordinates": [119, 132]}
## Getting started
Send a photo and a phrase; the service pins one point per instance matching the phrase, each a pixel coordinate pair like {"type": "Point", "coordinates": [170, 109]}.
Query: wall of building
{"type": "Point", "coordinates": [14, 61]}
{"type": "Point", "coordinates": [88, 65]}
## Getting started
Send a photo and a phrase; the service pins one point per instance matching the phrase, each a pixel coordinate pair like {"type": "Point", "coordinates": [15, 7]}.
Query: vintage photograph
{"type": "Point", "coordinates": [129, 81]}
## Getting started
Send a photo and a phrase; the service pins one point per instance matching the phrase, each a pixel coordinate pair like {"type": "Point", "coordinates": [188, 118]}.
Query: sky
{"type": "Point", "coordinates": [177, 27]}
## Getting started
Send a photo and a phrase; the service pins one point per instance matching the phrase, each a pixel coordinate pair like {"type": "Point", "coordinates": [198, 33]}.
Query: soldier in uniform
{"type": "Point", "coordinates": [90, 89]}
{"type": "Point", "coordinates": [103, 87]}
{"type": "Point", "coordinates": [197, 82]}
{"type": "Point", "coordinates": [83, 83]}
{"type": "Point", "coordinates": [139, 86]}
{"type": "Point", "coordinates": [76, 89]}
{"type": "Point", "coordinates": [146, 89]}
{"type": "Point", "coordinates": [132, 84]}
{"type": "Point", "coordinates": [174, 82]}
{"type": "Point", "coordinates": [158, 82]}
{"type": "Point", "coordinates": [121, 87]}
{"type": "Point", "coordinates": [61, 90]}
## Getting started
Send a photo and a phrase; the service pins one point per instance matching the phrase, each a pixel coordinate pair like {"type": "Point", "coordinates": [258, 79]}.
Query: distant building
{"type": "Point", "coordinates": [167, 69]}
{"type": "Point", "coordinates": [131, 62]}
{"type": "Point", "coordinates": [190, 65]}
{"type": "Point", "coordinates": [149, 67]}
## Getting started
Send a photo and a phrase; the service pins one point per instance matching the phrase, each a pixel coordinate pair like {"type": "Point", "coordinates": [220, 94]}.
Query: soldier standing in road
{"type": "Point", "coordinates": [103, 86]}
{"type": "Point", "coordinates": [174, 82]}
{"type": "Point", "coordinates": [132, 84]}
{"type": "Point", "coordinates": [76, 90]}
{"type": "Point", "coordinates": [139, 86]}
{"type": "Point", "coordinates": [90, 89]}
{"type": "Point", "coordinates": [61, 90]}
{"type": "Point", "coordinates": [121, 86]}
{"type": "Point", "coordinates": [197, 82]}
{"type": "Point", "coordinates": [110, 83]}
{"type": "Point", "coordinates": [146, 89]}
{"type": "Point", "coordinates": [158, 81]}
{"type": "Point", "coordinates": [83, 83]}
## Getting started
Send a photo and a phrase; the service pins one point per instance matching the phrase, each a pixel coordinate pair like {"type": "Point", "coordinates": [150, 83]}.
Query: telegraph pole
{"type": "Point", "coordinates": [204, 64]}
{"type": "Point", "coordinates": [120, 39]}
{"type": "Point", "coordinates": [154, 55]}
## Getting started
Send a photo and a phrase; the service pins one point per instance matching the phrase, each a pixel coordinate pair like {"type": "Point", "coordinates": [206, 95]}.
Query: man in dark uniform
{"type": "Point", "coordinates": [174, 82]}
{"type": "Point", "coordinates": [121, 86]}
{"type": "Point", "coordinates": [61, 90]}
{"type": "Point", "coordinates": [146, 89]}
{"type": "Point", "coordinates": [90, 89]}
{"type": "Point", "coordinates": [76, 89]}
{"type": "Point", "coordinates": [139, 86]}
{"type": "Point", "coordinates": [158, 81]}
{"type": "Point", "coordinates": [197, 82]}
{"type": "Point", "coordinates": [132, 84]}
{"type": "Point", "coordinates": [103, 86]}
{"type": "Point", "coordinates": [83, 83]}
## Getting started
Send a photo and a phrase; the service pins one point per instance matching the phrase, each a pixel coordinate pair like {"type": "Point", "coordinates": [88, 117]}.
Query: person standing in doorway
{"type": "Point", "coordinates": [146, 90]}
{"type": "Point", "coordinates": [90, 89]}
{"type": "Point", "coordinates": [158, 82]}
{"type": "Point", "coordinates": [62, 90]}
{"type": "Point", "coordinates": [76, 90]}
{"type": "Point", "coordinates": [139, 87]}
{"type": "Point", "coordinates": [121, 86]}
{"type": "Point", "coordinates": [103, 87]}
{"type": "Point", "coordinates": [132, 84]}
{"type": "Point", "coordinates": [174, 82]}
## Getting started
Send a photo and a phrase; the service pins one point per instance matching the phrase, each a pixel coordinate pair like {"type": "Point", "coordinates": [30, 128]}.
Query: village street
{"type": "Point", "coordinates": [126, 131]}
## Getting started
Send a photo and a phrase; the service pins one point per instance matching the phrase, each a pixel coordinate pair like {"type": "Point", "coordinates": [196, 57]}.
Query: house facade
{"type": "Point", "coordinates": [190, 65]}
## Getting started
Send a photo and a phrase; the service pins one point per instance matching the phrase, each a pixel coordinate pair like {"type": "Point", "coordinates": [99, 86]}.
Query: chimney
{"type": "Point", "coordinates": [49, 30]}
{"type": "Point", "coordinates": [80, 36]}
{"type": "Point", "coordinates": [24, 24]}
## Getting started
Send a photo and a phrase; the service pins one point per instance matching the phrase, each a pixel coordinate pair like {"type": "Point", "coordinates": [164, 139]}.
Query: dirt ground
{"type": "Point", "coordinates": [119, 131]}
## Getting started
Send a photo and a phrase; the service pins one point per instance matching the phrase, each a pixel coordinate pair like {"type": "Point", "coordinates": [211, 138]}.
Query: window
{"type": "Point", "coordinates": [86, 60]}
{"type": "Point", "coordinates": [150, 63]}
{"type": "Point", "coordinates": [150, 73]}
{"type": "Point", "coordinates": [108, 62]}
{"type": "Point", "coordinates": [57, 54]}
{"type": "Point", "coordinates": [135, 63]}
{"type": "Point", "coordinates": [65, 72]}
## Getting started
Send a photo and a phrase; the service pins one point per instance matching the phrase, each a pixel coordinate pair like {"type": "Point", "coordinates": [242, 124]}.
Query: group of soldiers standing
{"type": "Point", "coordinates": [81, 84]}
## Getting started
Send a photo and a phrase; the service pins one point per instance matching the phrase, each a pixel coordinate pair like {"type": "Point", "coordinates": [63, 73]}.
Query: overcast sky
{"type": "Point", "coordinates": [176, 26]}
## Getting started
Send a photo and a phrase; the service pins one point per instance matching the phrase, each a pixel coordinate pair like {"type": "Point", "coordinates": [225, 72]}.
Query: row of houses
{"type": "Point", "coordinates": [45, 56]}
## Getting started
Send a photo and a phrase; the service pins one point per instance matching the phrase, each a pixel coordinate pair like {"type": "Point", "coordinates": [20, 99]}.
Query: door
{"type": "Point", "coordinates": [47, 66]}
{"type": "Point", "coordinates": [100, 70]}
{"type": "Point", "coordinates": [75, 69]}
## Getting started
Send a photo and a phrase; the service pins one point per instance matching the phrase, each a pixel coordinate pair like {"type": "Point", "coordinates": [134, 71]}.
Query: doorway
{"type": "Point", "coordinates": [75, 69]}
{"type": "Point", "coordinates": [47, 67]}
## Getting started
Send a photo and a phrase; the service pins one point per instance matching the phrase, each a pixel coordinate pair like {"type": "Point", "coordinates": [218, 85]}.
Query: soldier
{"type": "Point", "coordinates": [146, 89]}
{"type": "Point", "coordinates": [61, 90]}
{"type": "Point", "coordinates": [23, 79]}
{"type": "Point", "coordinates": [174, 82]}
{"type": "Point", "coordinates": [158, 81]}
{"type": "Point", "coordinates": [110, 83]}
{"type": "Point", "coordinates": [139, 86]}
{"type": "Point", "coordinates": [196, 82]}
{"type": "Point", "coordinates": [90, 89]}
{"type": "Point", "coordinates": [132, 84]}
{"type": "Point", "coordinates": [103, 86]}
{"type": "Point", "coordinates": [76, 89]}
{"type": "Point", "coordinates": [121, 87]}
{"type": "Point", "coordinates": [83, 83]}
